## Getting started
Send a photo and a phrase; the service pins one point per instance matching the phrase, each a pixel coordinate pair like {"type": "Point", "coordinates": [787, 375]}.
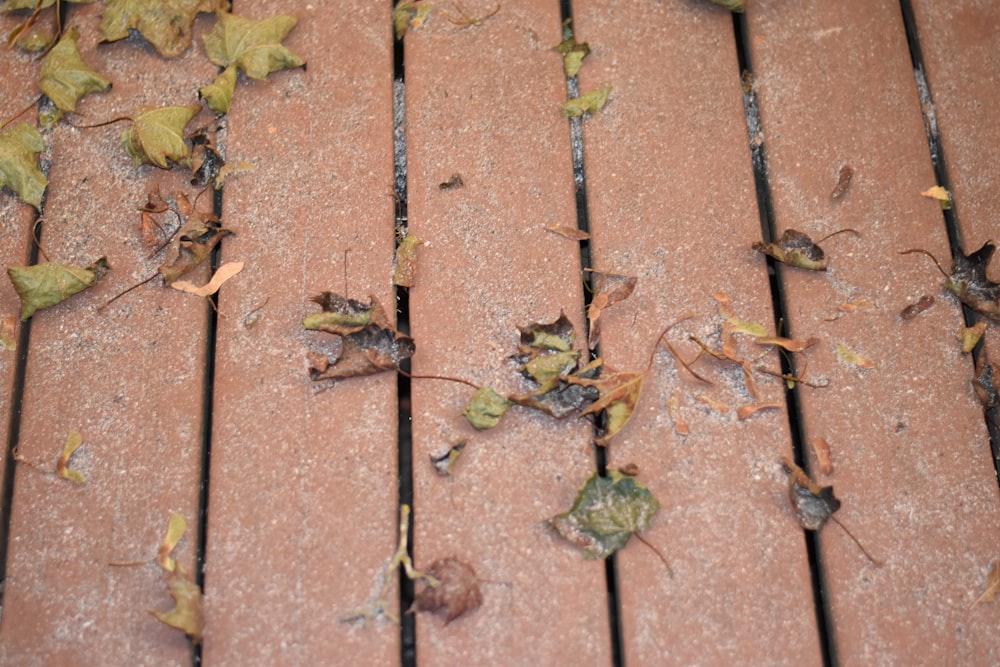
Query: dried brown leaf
{"type": "Point", "coordinates": [224, 273]}
{"type": "Point", "coordinates": [747, 411]}
{"type": "Point", "coordinates": [609, 289]}
{"type": "Point", "coordinates": [822, 449]}
{"type": "Point", "coordinates": [992, 586]}
{"type": "Point", "coordinates": [456, 590]}
{"type": "Point", "coordinates": [795, 249]}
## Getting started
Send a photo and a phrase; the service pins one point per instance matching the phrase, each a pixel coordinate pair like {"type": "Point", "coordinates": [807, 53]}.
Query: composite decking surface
{"type": "Point", "coordinates": [291, 489]}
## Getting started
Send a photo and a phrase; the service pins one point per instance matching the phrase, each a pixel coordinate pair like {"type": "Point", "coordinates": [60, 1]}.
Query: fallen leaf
{"type": "Point", "coordinates": [941, 194]}
{"type": "Point", "coordinates": [73, 442]}
{"type": "Point", "coordinates": [813, 504]}
{"type": "Point", "coordinates": [19, 146]}
{"type": "Point", "coordinates": [591, 102]}
{"type": "Point", "coordinates": [822, 449]}
{"type": "Point", "coordinates": [224, 273]}
{"type": "Point", "coordinates": [738, 6]}
{"type": "Point", "coordinates": [970, 336]}
{"type": "Point", "coordinates": [843, 182]}
{"type": "Point", "coordinates": [987, 383]}
{"type": "Point", "coordinates": [572, 52]}
{"type": "Point", "coordinates": [795, 249]}
{"type": "Point", "coordinates": [456, 589]}
{"type": "Point", "coordinates": [44, 285]}
{"type": "Point", "coordinates": [187, 614]}
{"type": "Point", "coordinates": [789, 344]}
{"type": "Point", "coordinates": [747, 411]}
{"type": "Point", "coordinates": [252, 46]}
{"type": "Point", "coordinates": [166, 24]}
{"type": "Point", "coordinates": [557, 336]}
{"type": "Point", "coordinates": [192, 245]}
{"type": "Point", "coordinates": [674, 409]}
{"type": "Point", "coordinates": [406, 261]}
{"type": "Point", "coordinates": [619, 396]}
{"type": "Point", "coordinates": [175, 531]}
{"type": "Point", "coordinates": [65, 77]}
{"type": "Point", "coordinates": [852, 358]}
{"type": "Point", "coordinates": [232, 168]}
{"type": "Point", "coordinates": [407, 14]}
{"type": "Point", "coordinates": [609, 289]}
{"type": "Point", "coordinates": [8, 328]}
{"type": "Point", "coordinates": [369, 343]}
{"type": "Point", "coordinates": [206, 161]}
{"type": "Point", "coordinates": [157, 136]}
{"type": "Point", "coordinates": [571, 233]}
{"type": "Point", "coordinates": [445, 463]}
{"type": "Point", "coordinates": [969, 283]}
{"type": "Point", "coordinates": [914, 309]}
{"type": "Point", "coordinates": [486, 408]}
{"type": "Point", "coordinates": [218, 95]}
{"type": "Point", "coordinates": [629, 469]}
{"type": "Point", "coordinates": [721, 408]}
{"type": "Point", "coordinates": [992, 586]}
{"type": "Point", "coordinates": [605, 514]}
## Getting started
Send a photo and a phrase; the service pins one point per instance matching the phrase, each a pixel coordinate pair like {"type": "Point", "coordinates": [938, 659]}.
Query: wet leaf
{"type": "Point", "coordinates": [486, 408]}
{"type": "Point", "coordinates": [65, 78]}
{"type": "Point", "coordinates": [192, 245]}
{"type": "Point", "coordinates": [8, 327]}
{"type": "Point", "coordinates": [369, 343]}
{"type": "Point", "coordinates": [619, 396]}
{"type": "Point", "coordinates": [456, 590]}
{"type": "Point", "coordinates": [591, 102]}
{"type": "Point", "coordinates": [187, 614]}
{"type": "Point", "coordinates": [969, 283]}
{"type": "Point", "coordinates": [738, 6]}
{"type": "Point", "coordinates": [73, 442]}
{"type": "Point", "coordinates": [222, 274]}
{"type": "Point", "coordinates": [941, 194]}
{"type": "Point", "coordinates": [157, 136]}
{"type": "Point", "coordinates": [175, 531]}
{"type": "Point", "coordinates": [605, 514]}
{"type": "Point", "coordinates": [970, 336]}
{"type": "Point", "coordinates": [218, 95]}
{"type": "Point", "coordinates": [852, 358]}
{"type": "Point", "coordinates": [992, 586]}
{"type": "Point", "coordinates": [795, 249]}
{"type": "Point", "coordinates": [45, 285]}
{"type": "Point", "coordinates": [572, 52]}
{"type": "Point", "coordinates": [166, 24]}
{"type": "Point", "coordinates": [609, 289]}
{"type": "Point", "coordinates": [813, 504]}
{"type": "Point", "coordinates": [445, 463]}
{"type": "Point", "coordinates": [19, 170]}
{"type": "Point", "coordinates": [252, 46]}
{"type": "Point", "coordinates": [914, 309]}
{"type": "Point", "coordinates": [406, 261]}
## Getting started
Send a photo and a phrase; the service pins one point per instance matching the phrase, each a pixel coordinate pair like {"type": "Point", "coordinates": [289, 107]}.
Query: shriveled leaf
{"type": "Point", "coordinates": [206, 161]}
{"type": "Point", "coordinates": [969, 283]}
{"type": "Point", "coordinates": [795, 249]}
{"type": "Point", "coordinates": [409, 14]}
{"type": "Point", "coordinates": [813, 504]}
{"type": "Point", "coordinates": [218, 95]}
{"type": "Point", "coordinates": [970, 336]}
{"type": "Point", "coordinates": [738, 6]}
{"type": "Point", "coordinates": [19, 170]}
{"type": "Point", "coordinates": [340, 316]}
{"type": "Point", "coordinates": [222, 274]}
{"type": "Point", "coordinates": [65, 77]}
{"type": "Point", "coordinates": [605, 514]}
{"type": "Point", "coordinates": [192, 245]}
{"type": "Point", "coordinates": [45, 285]}
{"type": "Point", "coordinates": [166, 24]}
{"type": "Point", "coordinates": [941, 194]}
{"type": "Point", "coordinates": [454, 182]}
{"type": "Point", "coordinates": [175, 531]}
{"type": "Point", "coordinates": [187, 614]}
{"type": "Point", "coordinates": [445, 463]}
{"type": "Point", "coordinates": [851, 358]}
{"type": "Point", "coordinates": [252, 46]}
{"type": "Point", "coordinates": [456, 590]}
{"type": "Point", "coordinates": [843, 182]}
{"type": "Point", "coordinates": [992, 586]}
{"type": "Point", "coordinates": [231, 168]}
{"type": "Point", "coordinates": [571, 233]}
{"type": "Point", "coordinates": [157, 136]}
{"type": "Point", "coordinates": [591, 102]}
{"type": "Point", "coordinates": [73, 442]}
{"type": "Point", "coordinates": [8, 327]}
{"type": "Point", "coordinates": [619, 396]}
{"type": "Point", "coordinates": [406, 261]}
{"type": "Point", "coordinates": [486, 408]}
{"type": "Point", "coordinates": [609, 289]}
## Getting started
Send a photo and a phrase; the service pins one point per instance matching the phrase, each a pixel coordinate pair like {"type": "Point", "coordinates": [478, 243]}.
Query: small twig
{"type": "Point", "coordinates": [841, 231]}
{"type": "Point", "coordinates": [20, 113]}
{"type": "Point", "coordinates": [875, 562]}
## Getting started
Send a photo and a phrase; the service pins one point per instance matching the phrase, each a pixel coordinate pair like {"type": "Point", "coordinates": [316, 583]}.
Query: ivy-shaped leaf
{"type": "Point", "coordinates": [19, 170]}
{"type": "Point", "coordinates": [66, 77]}
{"type": "Point", "coordinates": [219, 94]}
{"type": "Point", "coordinates": [969, 283]}
{"type": "Point", "coordinates": [605, 514]}
{"type": "Point", "coordinates": [252, 46]}
{"type": "Point", "coordinates": [45, 285]}
{"type": "Point", "coordinates": [167, 24]}
{"type": "Point", "coordinates": [157, 136]}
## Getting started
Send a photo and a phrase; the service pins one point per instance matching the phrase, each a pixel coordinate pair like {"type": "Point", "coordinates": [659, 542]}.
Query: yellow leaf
{"type": "Point", "coordinates": [853, 359]}
{"type": "Point", "coordinates": [937, 192]}
{"type": "Point", "coordinates": [970, 336]}
{"type": "Point", "coordinates": [73, 442]}
{"type": "Point", "coordinates": [175, 531]}
{"type": "Point", "coordinates": [7, 329]}
{"type": "Point", "coordinates": [188, 614]}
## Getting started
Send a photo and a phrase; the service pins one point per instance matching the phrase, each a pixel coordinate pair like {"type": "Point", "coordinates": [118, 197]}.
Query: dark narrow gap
{"type": "Point", "coordinates": [407, 622]}
{"type": "Point", "coordinates": [824, 625]}
{"type": "Point", "coordinates": [583, 224]}
{"type": "Point", "coordinates": [950, 216]}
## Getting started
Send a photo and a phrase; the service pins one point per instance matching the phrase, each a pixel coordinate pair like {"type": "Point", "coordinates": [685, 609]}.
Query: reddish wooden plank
{"type": "Point", "coordinates": [672, 202]}
{"type": "Point", "coordinates": [128, 377]}
{"type": "Point", "coordinates": [484, 102]}
{"type": "Point", "coordinates": [913, 464]}
{"type": "Point", "coordinates": [302, 514]}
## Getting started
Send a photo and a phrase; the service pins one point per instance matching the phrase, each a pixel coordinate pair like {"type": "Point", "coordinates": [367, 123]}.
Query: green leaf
{"type": "Point", "coordinates": [605, 514]}
{"type": "Point", "coordinates": [18, 165]}
{"type": "Point", "coordinates": [253, 46]}
{"type": "Point", "coordinates": [45, 285]}
{"type": "Point", "coordinates": [486, 408]}
{"type": "Point", "coordinates": [219, 94]}
{"type": "Point", "coordinates": [593, 102]}
{"type": "Point", "coordinates": [157, 136]}
{"type": "Point", "coordinates": [65, 77]}
{"type": "Point", "coordinates": [167, 24]}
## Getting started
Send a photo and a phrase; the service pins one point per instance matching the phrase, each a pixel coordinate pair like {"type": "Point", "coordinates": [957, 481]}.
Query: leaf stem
{"type": "Point", "coordinates": [656, 551]}
{"type": "Point", "coordinates": [875, 562]}
{"type": "Point", "coordinates": [438, 377]}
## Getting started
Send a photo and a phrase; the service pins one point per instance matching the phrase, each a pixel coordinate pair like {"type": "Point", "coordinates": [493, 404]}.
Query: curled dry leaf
{"type": "Point", "coordinates": [992, 586]}
{"type": "Point", "coordinates": [218, 95]}
{"type": "Point", "coordinates": [44, 285]}
{"type": "Point", "coordinates": [939, 193]}
{"type": "Point", "coordinates": [572, 52]}
{"type": "Point", "coordinates": [846, 355]}
{"type": "Point", "coordinates": [409, 14]}
{"type": "Point", "coordinates": [789, 344]}
{"type": "Point", "coordinates": [822, 449]}
{"type": "Point", "coordinates": [969, 283]}
{"type": "Point", "coordinates": [747, 411]}
{"type": "Point", "coordinates": [591, 102]}
{"type": "Point", "coordinates": [795, 249]}
{"type": "Point", "coordinates": [452, 183]}
{"type": "Point", "coordinates": [406, 261]}
{"type": "Point", "coordinates": [65, 77]}
{"type": "Point", "coordinates": [606, 513]}
{"type": "Point", "coordinates": [813, 504]}
{"type": "Point", "coordinates": [987, 383]}
{"type": "Point", "coordinates": [609, 289]}
{"type": "Point", "coordinates": [445, 463]}
{"type": "Point", "coordinates": [187, 615]}
{"type": "Point", "coordinates": [970, 336]}
{"type": "Point", "coordinates": [619, 396]}
{"type": "Point", "coordinates": [735, 324]}
{"type": "Point", "coordinates": [73, 442]}
{"type": "Point", "coordinates": [455, 589]}
{"type": "Point", "coordinates": [562, 395]}
{"type": "Point", "coordinates": [224, 273]}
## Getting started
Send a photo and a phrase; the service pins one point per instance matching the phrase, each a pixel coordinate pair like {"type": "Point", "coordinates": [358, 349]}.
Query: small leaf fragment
{"type": "Point", "coordinates": [187, 614]}
{"type": "Point", "coordinates": [406, 261]}
{"type": "Point", "coordinates": [789, 344]}
{"type": "Point", "coordinates": [747, 411]}
{"type": "Point", "coordinates": [591, 102]}
{"type": "Point", "coordinates": [795, 249]}
{"type": "Point", "coordinates": [609, 289]}
{"type": "Point", "coordinates": [175, 531]}
{"type": "Point", "coordinates": [843, 182]}
{"type": "Point", "coordinates": [486, 408]}
{"type": "Point", "coordinates": [73, 442]}
{"type": "Point", "coordinates": [914, 309]}
{"type": "Point", "coordinates": [8, 327]}
{"type": "Point", "coordinates": [674, 409]}
{"type": "Point", "coordinates": [252, 46]}
{"type": "Point", "coordinates": [218, 95]}
{"type": "Point", "coordinates": [970, 336]}
{"type": "Point", "coordinates": [813, 504]}
{"type": "Point", "coordinates": [738, 6]}
{"type": "Point", "coordinates": [941, 194]}
{"type": "Point", "coordinates": [230, 168]}
{"type": "Point", "coordinates": [409, 14]}
{"type": "Point", "coordinates": [65, 77]}
{"type": "Point", "coordinates": [571, 233]}
{"type": "Point", "coordinates": [992, 586]}
{"type": "Point", "coordinates": [157, 136]}
{"type": "Point", "coordinates": [445, 463]}
{"type": "Point", "coordinates": [851, 358]}
{"type": "Point", "coordinates": [192, 245]}
{"type": "Point", "coordinates": [222, 274]}
{"type": "Point", "coordinates": [453, 183]}
{"type": "Point", "coordinates": [19, 146]}
{"type": "Point", "coordinates": [986, 383]}
{"type": "Point", "coordinates": [44, 285]}
{"type": "Point", "coordinates": [456, 589]}
{"type": "Point", "coordinates": [822, 449]}
{"type": "Point", "coordinates": [606, 513]}
{"type": "Point", "coordinates": [736, 325]}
